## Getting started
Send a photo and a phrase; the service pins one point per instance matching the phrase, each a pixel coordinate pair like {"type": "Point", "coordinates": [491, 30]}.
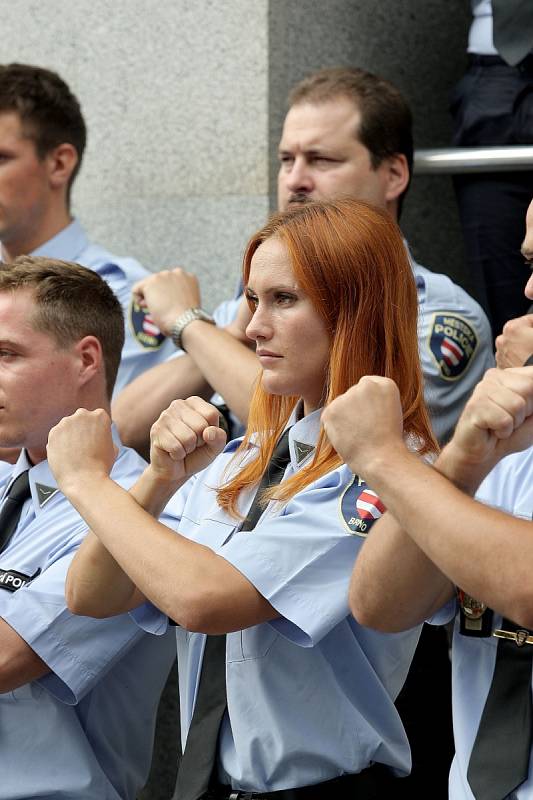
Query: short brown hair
{"type": "Point", "coordinates": [49, 112]}
{"type": "Point", "coordinates": [386, 127]}
{"type": "Point", "coordinates": [71, 302]}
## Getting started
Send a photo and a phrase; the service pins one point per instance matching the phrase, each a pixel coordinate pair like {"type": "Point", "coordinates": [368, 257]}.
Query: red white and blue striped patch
{"type": "Point", "coordinates": [452, 342]}
{"type": "Point", "coordinates": [359, 507]}
{"type": "Point", "coordinates": [144, 328]}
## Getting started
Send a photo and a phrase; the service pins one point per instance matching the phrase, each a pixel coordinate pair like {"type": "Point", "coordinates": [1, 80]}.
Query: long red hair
{"type": "Point", "coordinates": [350, 259]}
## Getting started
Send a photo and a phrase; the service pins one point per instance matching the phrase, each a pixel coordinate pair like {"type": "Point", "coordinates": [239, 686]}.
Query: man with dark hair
{"type": "Point", "coordinates": [347, 132]}
{"type": "Point", "coordinates": [42, 140]}
{"type": "Point", "coordinates": [78, 696]}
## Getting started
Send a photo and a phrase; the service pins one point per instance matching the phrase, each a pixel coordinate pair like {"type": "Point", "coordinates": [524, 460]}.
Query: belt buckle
{"type": "Point", "coordinates": [519, 637]}
{"type": "Point", "coordinates": [241, 796]}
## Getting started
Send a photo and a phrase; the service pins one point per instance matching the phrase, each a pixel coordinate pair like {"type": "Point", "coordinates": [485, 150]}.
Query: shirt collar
{"type": "Point", "coordinates": [303, 436]}
{"type": "Point", "coordinates": [67, 245]}
{"type": "Point", "coordinates": [43, 485]}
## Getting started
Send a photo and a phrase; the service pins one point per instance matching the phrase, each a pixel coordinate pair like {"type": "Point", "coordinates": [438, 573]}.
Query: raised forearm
{"type": "Point", "coordinates": [487, 553]}
{"type": "Point", "coordinates": [394, 585]}
{"type": "Point", "coordinates": [96, 585]}
{"type": "Point", "coordinates": [186, 580]}
{"type": "Point", "coordinates": [140, 403]}
{"type": "Point", "coordinates": [228, 365]}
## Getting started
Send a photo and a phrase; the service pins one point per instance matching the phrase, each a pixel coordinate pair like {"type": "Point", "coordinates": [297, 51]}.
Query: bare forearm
{"type": "Point", "coordinates": [394, 585]}
{"type": "Point", "coordinates": [96, 585]}
{"type": "Point", "coordinates": [19, 664]}
{"type": "Point", "coordinates": [140, 403]}
{"type": "Point", "coordinates": [228, 365]}
{"type": "Point", "coordinates": [487, 553]}
{"type": "Point", "coordinates": [186, 580]}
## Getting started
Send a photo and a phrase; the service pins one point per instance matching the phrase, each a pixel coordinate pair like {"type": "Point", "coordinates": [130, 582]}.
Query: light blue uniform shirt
{"type": "Point", "coordinates": [509, 487]}
{"type": "Point", "coordinates": [310, 694]}
{"type": "Point", "coordinates": [144, 346]}
{"type": "Point", "coordinates": [85, 730]}
{"type": "Point", "coordinates": [455, 346]}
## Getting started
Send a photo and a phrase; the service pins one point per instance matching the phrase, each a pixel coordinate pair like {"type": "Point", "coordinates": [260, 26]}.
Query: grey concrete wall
{"type": "Point", "coordinates": [175, 96]}
{"type": "Point", "coordinates": [417, 44]}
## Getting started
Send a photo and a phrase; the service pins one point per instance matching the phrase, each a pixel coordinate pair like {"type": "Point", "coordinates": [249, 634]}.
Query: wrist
{"type": "Point", "coordinates": [461, 469]}
{"type": "Point", "coordinates": [83, 484]}
{"type": "Point", "coordinates": [382, 463]}
{"type": "Point", "coordinates": [184, 320]}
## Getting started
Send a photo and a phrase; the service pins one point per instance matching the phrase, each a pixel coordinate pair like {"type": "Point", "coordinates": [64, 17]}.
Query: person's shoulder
{"type": "Point", "coordinates": [437, 290]}
{"type": "Point", "coordinates": [102, 261]}
{"type": "Point", "coordinates": [508, 486]}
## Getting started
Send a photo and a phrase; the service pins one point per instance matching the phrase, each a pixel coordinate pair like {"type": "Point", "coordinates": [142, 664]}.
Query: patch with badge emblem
{"type": "Point", "coordinates": [452, 342]}
{"type": "Point", "coordinates": [144, 328]}
{"type": "Point", "coordinates": [475, 618]}
{"type": "Point", "coordinates": [360, 507]}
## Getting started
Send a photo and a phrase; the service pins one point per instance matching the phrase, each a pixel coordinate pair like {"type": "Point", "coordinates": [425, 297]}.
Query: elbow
{"type": "Point", "coordinates": [197, 612]}
{"type": "Point", "coordinates": [374, 611]}
{"type": "Point", "coordinates": [371, 618]}
{"type": "Point", "coordinates": [5, 685]}
{"type": "Point", "coordinates": [82, 605]}
{"type": "Point", "coordinates": [365, 612]}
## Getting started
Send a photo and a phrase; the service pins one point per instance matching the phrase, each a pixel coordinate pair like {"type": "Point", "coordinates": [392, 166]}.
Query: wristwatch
{"type": "Point", "coordinates": [183, 320]}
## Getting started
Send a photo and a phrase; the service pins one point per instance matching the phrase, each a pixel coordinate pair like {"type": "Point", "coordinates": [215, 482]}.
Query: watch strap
{"type": "Point", "coordinates": [185, 319]}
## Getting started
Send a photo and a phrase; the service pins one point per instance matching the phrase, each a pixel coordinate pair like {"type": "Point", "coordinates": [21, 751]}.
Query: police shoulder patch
{"type": "Point", "coordinates": [359, 507]}
{"type": "Point", "coordinates": [452, 342]}
{"type": "Point", "coordinates": [144, 328]}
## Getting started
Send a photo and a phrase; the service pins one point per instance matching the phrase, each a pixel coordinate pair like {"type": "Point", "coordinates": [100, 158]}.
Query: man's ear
{"type": "Point", "coordinates": [396, 176]}
{"type": "Point", "coordinates": [61, 162]}
{"type": "Point", "coordinates": [91, 358]}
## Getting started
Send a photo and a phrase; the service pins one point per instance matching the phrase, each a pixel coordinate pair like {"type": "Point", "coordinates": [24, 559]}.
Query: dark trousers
{"type": "Point", "coordinates": [493, 105]}
{"type": "Point", "coordinates": [425, 706]}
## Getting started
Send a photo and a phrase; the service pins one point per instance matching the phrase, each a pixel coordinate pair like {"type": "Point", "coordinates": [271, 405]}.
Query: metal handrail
{"type": "Point", "coordinates": [454, 160]}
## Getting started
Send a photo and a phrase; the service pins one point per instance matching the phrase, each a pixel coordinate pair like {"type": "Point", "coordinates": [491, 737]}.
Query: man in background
{"type": "Point", "coordinates": [78, 696]}
{"type": "Point", "coordinates": [347, 132]}
{"type": "Point", "coordinates": [42, 141]}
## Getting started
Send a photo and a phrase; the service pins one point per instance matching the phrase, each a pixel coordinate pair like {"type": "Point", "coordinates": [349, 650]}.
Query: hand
{"type": "Point", "coordinates": [238, 326]}
{"type": "Point", "coordinates": [365, 424]}
{"type": "Point", "coordinates": [81, 447]}
{"type": "Point", "coordinates": [515, 343]}
{"type": "Point", "coordinates": [167, 295]}
{"type": "Point", "coordinates": [185, 439]}
{"type": "Point", "coordinates": [496, 421]}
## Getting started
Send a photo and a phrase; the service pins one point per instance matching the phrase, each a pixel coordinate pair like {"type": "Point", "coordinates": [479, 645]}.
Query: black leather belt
{"type": "Point", "coordinates": [368, 784]}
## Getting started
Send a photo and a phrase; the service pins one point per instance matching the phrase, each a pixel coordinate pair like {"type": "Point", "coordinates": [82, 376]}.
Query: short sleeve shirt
{"type": "Point", "coordinates": [85, 729]}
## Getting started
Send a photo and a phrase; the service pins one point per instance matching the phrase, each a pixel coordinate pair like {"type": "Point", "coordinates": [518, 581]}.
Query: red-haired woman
{"type": "Point", "coordinates": [306, 701]}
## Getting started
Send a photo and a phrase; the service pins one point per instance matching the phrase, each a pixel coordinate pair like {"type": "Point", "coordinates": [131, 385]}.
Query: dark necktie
{"type": "Point", "coordinates": [18, 493]}
{"type": "Point", "coordinates": [199, 758]}
{"type": "Point", "coordinates": [500, 757]}
{"type": "Point", "coordinates": [512, 29]}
